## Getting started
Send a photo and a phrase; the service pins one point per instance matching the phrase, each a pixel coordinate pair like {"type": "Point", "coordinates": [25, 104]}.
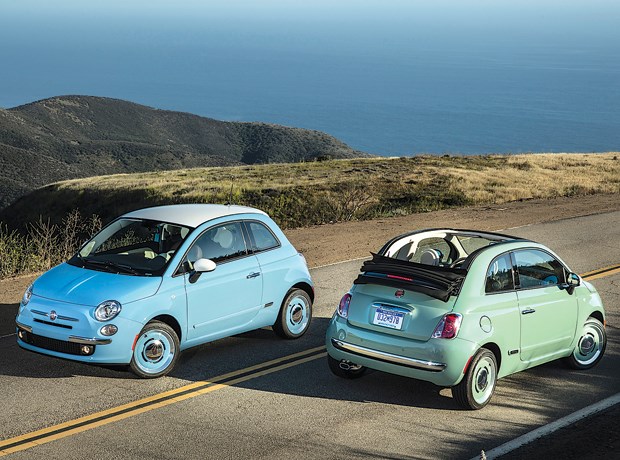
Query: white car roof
{"type": "Point", "coordinates": [191, 215]}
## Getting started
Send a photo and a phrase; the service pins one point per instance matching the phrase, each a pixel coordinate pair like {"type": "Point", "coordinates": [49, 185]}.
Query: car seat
{"type": "Point", "coordinates": [431, 257]}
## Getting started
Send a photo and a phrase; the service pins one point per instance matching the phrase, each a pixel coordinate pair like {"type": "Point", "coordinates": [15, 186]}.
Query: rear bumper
{"type": "Point", "coordinates": [414, 363]}
{"type": "Point", "coordinates": [438, 361]}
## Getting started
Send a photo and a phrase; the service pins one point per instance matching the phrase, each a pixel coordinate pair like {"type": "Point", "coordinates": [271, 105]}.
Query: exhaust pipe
{"type": "Point", "coordinates": [349, 366]}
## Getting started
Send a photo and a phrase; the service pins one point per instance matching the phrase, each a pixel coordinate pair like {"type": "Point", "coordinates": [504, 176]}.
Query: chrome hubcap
{"type": "Point", "coordinates": [586, 345]}
{"type": "Point", "coordinates": [297, 314]}
{"type": "Point", "coordinates": [154, 350]}
{"type": "Point", "coordinates": [590, 344]}
{"type": "Point", "coordinates": [483, 380]}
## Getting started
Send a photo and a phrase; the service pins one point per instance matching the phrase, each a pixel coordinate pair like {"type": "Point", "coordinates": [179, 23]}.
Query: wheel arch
{"type": "Point", "coordinates": [597, 315]}
{"type": "Point", "coordinates": [170, 321]}
{"type": "Point", "coordinates": [307, 288]}
{"type": "Point", "coordinates": [496, 350]}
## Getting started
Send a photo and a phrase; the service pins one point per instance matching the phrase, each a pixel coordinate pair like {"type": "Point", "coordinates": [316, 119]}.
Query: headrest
{"type": "Point", "coordinates": [194, 253]}
{"type": "Point", "coordinates": [430, 257]}
{"type": "Point", "coordinates": [224, 237]}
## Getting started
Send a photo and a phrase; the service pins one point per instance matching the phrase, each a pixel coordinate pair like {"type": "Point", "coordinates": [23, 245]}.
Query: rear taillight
{"type": "Point", "coordinates": [343, 306]}
{"type": "Point", "coordinates": [448, 327]}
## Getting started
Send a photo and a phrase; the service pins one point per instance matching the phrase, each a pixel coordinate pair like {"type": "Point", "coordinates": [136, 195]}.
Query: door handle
{"type": "Point", "coordinates": [253, 275]}
{"type": "Point", "coordinates": [528, 311]}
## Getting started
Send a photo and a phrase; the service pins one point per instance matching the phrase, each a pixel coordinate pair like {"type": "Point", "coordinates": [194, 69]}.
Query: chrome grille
{"type": "Point", "coordinates": [46, 314]}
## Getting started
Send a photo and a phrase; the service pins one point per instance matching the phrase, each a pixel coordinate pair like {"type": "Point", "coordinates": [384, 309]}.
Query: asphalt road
{"type": "Point", "coordinates": [299, 409]}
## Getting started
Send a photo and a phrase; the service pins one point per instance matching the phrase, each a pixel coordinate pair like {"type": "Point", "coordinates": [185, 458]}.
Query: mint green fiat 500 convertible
{"type": "Point", "coordinates": [461, 309]}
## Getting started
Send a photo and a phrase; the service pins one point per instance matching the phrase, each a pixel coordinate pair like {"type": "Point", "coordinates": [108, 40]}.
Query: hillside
{"type": "Point", "coordinates": [303, 194]}
{"type": "Point", "coordinates": [79, 136]}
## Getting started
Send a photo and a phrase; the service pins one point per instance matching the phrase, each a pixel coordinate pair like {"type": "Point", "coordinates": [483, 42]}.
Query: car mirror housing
{"type": "Point", "coordinates": [572, 281]}
{"type": "Point", "coordinates": [201, 266]}
{"type": "Point", "coordinates": [204, 265]}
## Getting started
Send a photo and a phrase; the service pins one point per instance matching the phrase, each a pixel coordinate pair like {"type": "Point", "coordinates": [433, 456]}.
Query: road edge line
{"type": "Point", "coordinates": [551, 427]}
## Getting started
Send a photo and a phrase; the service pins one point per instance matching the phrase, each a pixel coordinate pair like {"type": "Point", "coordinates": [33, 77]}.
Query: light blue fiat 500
{"type": "Point", "coordinates": [159, 280]}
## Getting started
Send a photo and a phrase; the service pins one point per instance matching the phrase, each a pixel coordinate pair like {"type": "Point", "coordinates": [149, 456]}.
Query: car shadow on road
{"type": "Point", "coordinates": [312, 379]}
{"type": "Point", "coordinates": [522, 391]}
{"type": "Point", "coordinates": [7, 318]}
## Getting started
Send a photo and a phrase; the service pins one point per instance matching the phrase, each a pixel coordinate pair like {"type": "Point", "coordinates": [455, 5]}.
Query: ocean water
{"type": "Point", "coordinates": [393, 77]}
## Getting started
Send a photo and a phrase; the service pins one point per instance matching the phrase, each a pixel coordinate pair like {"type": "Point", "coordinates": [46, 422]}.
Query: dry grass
{"type": "Point", "coordinates": [301, 194]}
{"type": "Point", "coordinates": [499, 177]}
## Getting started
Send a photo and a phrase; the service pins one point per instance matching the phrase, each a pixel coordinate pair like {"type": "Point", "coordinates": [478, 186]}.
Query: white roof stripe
{"type": "Point", "coordinates": [191, 215]}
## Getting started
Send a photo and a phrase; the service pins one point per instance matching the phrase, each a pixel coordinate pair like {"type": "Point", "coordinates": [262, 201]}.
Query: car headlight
{"type": "Point", "coordinates": [27, 295]}
{"type": "Point", "coordinates": [107, 310]}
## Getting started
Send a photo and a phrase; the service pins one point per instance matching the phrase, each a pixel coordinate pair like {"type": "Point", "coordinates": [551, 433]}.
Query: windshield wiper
{"type": "Point", "coordinates": [112, 265]}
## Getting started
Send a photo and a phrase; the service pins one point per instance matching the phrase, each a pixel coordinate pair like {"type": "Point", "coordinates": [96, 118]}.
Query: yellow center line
{"type": "Point", "coordinates": [97, 419]}
{"type": "Point", "coordinates": [146, 404]}
{"type": "Point", "coordinates": [601, 272]}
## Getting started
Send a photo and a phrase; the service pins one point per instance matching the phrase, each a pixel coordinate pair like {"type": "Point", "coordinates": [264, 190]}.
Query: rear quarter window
{"type": "Point", "coordinates": [263, 238]}
{"type": "Point", "coordinates": [499, 275]}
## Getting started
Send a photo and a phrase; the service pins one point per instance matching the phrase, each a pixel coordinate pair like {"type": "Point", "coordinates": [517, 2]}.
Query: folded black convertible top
{"type": "Point", "coordinates": [437, 282]}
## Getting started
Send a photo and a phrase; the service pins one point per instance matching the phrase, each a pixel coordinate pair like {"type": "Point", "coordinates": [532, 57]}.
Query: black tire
{"type": "Point", "coordinates": [295, 315]}
{"type": "Point", "coordinates": [478, 384]}
{"type": "Point", "coordinates": [334, 366]}
{"type": "Point", "coordinates": [156, 351]}
{"type": "Point", "coordinates": [590, 346]}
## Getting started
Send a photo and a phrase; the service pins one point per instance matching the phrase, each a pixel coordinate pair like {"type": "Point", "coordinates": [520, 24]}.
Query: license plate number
{"type": "Point", "coordinates": [388, 318]}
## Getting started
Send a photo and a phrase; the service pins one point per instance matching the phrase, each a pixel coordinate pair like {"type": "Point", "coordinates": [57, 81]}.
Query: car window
{"type": "Point", "coordinates": [499, 275]}
{"type": "Point", "coordinates": [473, 243]}
{"type": "Point", "coordinates": [432, 251]}
{"type": "Point", "coordinates": [135, 246]}
{"type": "Point", "coordinates": [219, 244]}
{"type": "Point", "coordinates": [538, 268]}
{"type": "Point", "coordinates": [263, 238]}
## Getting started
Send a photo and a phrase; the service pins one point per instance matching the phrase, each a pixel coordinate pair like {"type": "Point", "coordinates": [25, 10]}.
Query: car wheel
{"type": "Point", "coordinates": [478, 384]}
{"type": "Point", "coordinates": [156, 351]}
{"type": "Point", "coordinates": [345, 369]}
{"type": "Point", "coordinates": [590, 346]}
{"type": "Point", "coordinates": [295, 315]}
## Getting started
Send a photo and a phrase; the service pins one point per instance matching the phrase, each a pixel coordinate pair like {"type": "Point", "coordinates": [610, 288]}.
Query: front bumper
{"type": "Point", "coordinates": [75, 335]}
{"type": "Point", "coordinates": [438, 361]}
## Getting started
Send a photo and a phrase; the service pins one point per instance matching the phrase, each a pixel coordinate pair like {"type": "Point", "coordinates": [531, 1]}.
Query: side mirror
{"type": "Point", "coordinates": [572, 281]}
{"type": "Point", "coordinates": [201, 266]}
{"type": "Point", "coordinates": [204, 265]}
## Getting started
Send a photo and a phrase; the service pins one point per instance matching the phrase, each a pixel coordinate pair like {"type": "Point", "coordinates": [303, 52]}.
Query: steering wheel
{"type": "Point", "coordinates": [458, 261]}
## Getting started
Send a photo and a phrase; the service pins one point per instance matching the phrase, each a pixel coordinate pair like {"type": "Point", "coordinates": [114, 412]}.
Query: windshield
{"type": "Point", "coordinates": [472, 243]}
{"type": "Point", "coordinates": [132, 246]}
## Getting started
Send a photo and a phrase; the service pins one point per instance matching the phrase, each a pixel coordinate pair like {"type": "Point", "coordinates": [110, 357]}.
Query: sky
{"type": "Point", "coordinates": [312, 63]}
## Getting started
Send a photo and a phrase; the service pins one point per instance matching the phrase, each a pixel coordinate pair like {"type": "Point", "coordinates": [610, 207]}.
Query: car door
{"type": "Point", "coordinates": [222, 302]}
{"type": "Point", "coordinates": [265, 246]}
{"type": "Point", "coordinates": [548, 311]}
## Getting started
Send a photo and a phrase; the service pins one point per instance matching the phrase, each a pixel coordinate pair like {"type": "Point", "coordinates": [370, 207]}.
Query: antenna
{"type": "Point", "coordinates": [230, 196]}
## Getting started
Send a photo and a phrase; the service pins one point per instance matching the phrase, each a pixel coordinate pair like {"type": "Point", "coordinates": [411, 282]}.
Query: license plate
{"type": "Point", "coordinates": [388, 318]}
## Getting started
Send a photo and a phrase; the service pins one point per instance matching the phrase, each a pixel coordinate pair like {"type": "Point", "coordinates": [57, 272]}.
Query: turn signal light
{"type": "Point", "coordinates": [448, 327]}
{"type": "Point", "coordinates": [343, 307]}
